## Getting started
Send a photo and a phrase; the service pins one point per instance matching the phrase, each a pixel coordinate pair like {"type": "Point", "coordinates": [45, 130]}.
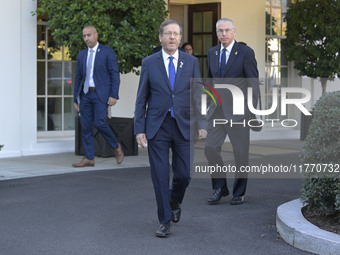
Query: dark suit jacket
{"type": "Point", "coordinates": [154, 96]}
{"type": "Point", "coordinates": [241, 71]}
{"type": "Point", "coordinates": [105, 73]}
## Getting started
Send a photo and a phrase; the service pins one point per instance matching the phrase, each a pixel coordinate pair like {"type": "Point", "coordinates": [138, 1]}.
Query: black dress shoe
{"type": "Point", "coordinates": [237, 200]}
{"type": "Point", "coordinates": [218, 194]}
{"type": "Point", "coordinates": [163, 230]}
{"type": "Point", "coordinates": [175, 211]}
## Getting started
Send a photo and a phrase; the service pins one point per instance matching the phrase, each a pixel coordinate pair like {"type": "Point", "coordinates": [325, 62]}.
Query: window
{"type": "Point", "coordinates": [202, 31]}
{"type": "Point", "coordinates": [276, 64]}
{"type": "Point", "coordinates": [55, 77]}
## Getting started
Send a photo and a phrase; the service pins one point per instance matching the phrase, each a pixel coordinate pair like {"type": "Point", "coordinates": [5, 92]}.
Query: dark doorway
{"type": "Point", "coordinates": [202, 30]}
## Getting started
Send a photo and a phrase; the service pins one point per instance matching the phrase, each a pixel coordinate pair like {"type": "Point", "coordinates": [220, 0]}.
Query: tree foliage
{"type": "Point", "coordinates": [313, 38]}
{"type": "Point", "coordinates": [130, 27]}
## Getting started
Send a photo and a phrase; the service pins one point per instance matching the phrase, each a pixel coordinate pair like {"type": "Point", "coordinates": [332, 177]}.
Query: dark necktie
{"type": "Point", "coordinates": [172, 77]}
{"type": "Point", "coordinates": [223, 62]}
{"type": "Point", "coordinates": [88, 72]}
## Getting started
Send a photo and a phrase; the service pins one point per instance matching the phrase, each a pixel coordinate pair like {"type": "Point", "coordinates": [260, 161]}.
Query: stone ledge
{"type": "Point", "coordinates": [300, 233]}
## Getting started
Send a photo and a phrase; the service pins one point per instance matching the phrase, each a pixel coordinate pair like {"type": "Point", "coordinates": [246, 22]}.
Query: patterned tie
{"type": "Point", "coordinates": [172, 77]}
{"type": "Point", "coordinates": [223, 62]}
{"type": "Point", "coordinates": [88, 72]}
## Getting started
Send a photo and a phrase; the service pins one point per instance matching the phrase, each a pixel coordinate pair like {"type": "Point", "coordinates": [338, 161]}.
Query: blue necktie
{"type": "Point", "coordinates": [88, 72]}
{"type": "Point", "coordinates": [223, 62]}
{"type": "Point", "coordinates": [172, 77]}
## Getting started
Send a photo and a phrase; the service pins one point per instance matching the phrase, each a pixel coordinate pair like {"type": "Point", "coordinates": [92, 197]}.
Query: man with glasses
{"type": "Point", "coordinates": [232, 63]}
{"type": "Point", "coordinates": [162, 120]}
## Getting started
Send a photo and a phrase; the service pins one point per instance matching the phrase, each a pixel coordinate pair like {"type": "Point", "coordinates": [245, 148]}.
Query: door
{"type": "Point", "coordinates": [202, 30]}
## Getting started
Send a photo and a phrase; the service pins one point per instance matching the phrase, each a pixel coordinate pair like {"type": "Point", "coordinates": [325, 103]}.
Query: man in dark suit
{"type": "Point", "coordinates": [96, 86]}
{"type": "Point", "coordinates": [162, 120]}
{"type": "Point", "coordinates": [230, 63]}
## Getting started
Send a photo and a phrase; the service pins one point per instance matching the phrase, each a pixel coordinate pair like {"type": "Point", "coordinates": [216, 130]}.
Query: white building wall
{"type": "Point", "coordinates": [10, 68]}
{"type": "Point", "coordinates": [250, 25]}
{"type": "Point", "coordinates": [28, 77]}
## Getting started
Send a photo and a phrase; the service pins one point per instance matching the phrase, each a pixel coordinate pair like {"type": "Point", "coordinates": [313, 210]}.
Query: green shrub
{"type": "Point", "coordinates": [321, 190]}
{"type": "Point", "coordinates": [1, 147]}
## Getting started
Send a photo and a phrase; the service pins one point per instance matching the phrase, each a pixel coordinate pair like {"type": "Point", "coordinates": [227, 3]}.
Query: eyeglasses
{"type": "Point", "coordinates": [168, 34]}
{"type": "Point", "coordinates": [228, 30]}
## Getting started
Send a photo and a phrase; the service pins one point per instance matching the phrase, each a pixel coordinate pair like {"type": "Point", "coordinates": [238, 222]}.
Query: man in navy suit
{"type": "Point", "coordinates": [232, 63]}
{"type": "Point", "coordinates": [96, 86]}
{"type": "Point", "coordinates": [162, 120]}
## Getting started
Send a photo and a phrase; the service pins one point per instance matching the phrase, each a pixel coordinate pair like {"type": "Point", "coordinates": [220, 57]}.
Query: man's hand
{"type": "Point", "coordinates": [76, 106]}
{"type": "Point", "coordinates": [141, 140]}
{"type": "Point", "coordinates": [202, 133]}
{"type": "Point", "coordinates": [112, 101]}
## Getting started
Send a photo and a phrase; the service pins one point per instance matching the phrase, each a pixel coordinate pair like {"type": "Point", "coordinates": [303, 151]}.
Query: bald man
{"type": "Point", "coordinates": [96, 87]}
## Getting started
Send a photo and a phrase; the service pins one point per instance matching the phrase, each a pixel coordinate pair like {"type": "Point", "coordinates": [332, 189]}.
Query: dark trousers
{"type": "Point", "coordinates": [92, 110]}
{"type": "Point", "coordinates": [239, 138]}
{"type": "Point", "coordinates": [169, 137]}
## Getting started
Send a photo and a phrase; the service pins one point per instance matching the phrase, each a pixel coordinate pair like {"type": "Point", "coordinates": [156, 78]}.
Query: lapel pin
{"type": "Point", "coordinates": [98, 49]}
{"type": "Point", "coordinates": [181, 65]}
{"type": "Point", "coordinates": [216, 53]}
{"type": "Point", "coordinates": [236, 53]}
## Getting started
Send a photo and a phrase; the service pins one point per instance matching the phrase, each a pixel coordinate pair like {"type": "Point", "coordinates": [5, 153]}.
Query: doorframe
{"type": "Point", "coordinates": [216, 10]}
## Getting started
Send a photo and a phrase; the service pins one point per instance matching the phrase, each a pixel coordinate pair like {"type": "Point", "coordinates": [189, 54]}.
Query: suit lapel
{"type": "Point", "coordinates": [84, 61]}
{"type": "Point", "coordinates": [160, 64]}
{"type": "Point", "coordinates": [98, 53]}
{"type": "Point", "coordinates": [215, 63]}
{"type": "Point", "coordinates": [180, 64]}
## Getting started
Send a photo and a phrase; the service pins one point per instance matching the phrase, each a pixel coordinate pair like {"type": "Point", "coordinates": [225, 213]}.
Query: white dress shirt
{"type": "Point", "coordinates": [227, 53]}
{"type": "Point", "coordinates": [91, 82]}
{"type": "Point", "coordinates": [166, 60]}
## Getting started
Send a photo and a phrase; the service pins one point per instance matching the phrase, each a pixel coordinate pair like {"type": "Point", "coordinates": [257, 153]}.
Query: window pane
{"type": "Point", "coordinates": [41, 78]}
{"type": "Point", "coordinates": [198, 44]}
{"type": "Point", "coordinates": [41, 40]}
{"type": "Point", "coordinates": [69, 114]}
{"type": "Point", "coordinates": [276, 3]}
{"type": "Point", "coordinates": [198, 19]}
{"type": "Point", "coordinates": [284, 23]}
{"type": "Point", "coordinates": [273, 48]}
{"type": "Point", "coordinates": [41, 114]}
{"type": "Point", "coordinates": [268, 21]}
{"type": "Point", "coordinates": [207, 43]}
{"type": "Point", "coordinates": [284, 76]}
{"type": "Point", "coordinates": [284, 61]}
{"type": "Point", "coordinates": [66, 55]}
{"type": "Point", "coordinates": [54, 52]}
{"type": "Point", "coordinates": [54, 78]}
{"type": "Point", "coordinates": [205, 67]}
{"type": "Point", "coordinates": [208, 21]}
{"type": "Point", "coordinates": [54, 114]}
{"type": "Point", "coordinates": [276, 13]}
{"type": "Point", "coordinates": [69, 74]}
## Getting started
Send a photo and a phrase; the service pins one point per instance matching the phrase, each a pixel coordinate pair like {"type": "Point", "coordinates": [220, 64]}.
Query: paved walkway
{"type": "Point", "coordinates": [111, 209]}
{"type": "Point", "coordinates": [49, 164]}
